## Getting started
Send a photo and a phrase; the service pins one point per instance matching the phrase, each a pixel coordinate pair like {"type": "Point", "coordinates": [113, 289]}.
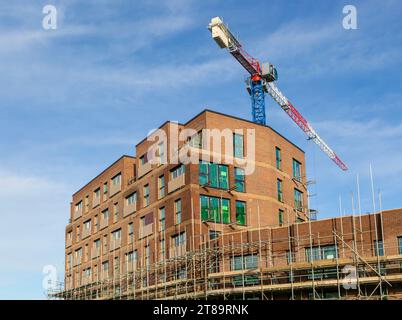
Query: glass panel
{"type": "Point", "coordinates": [213, 175]}
{"type": "Point", "coordinates": [238, 145]}
{"type": "Point", "coordinates": [204, 208]}
{"type": "Point", "coordinates": [214, 209]}
{"type": "Point", "coordinates": [203, 173]}
{"type": "Point", "coordinates": [223, 177]}
{"type": "Point", "coordinates": [241, 212]}
{"type": "Point", "coordinates": [225, 211]}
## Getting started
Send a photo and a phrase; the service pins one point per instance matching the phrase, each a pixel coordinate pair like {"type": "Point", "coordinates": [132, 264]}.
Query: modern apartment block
{"type": "Point", "coordinates": [153, 226]}
{"type": "Point", "coordinates": [155, 207]}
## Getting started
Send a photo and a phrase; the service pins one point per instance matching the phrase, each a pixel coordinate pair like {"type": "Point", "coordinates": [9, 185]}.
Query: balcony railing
{"type": "Point", "coordinates": [95, 252]}
{"type": "Point", "coordinates": [176, 183]}
{"type": "Point", "coordinates": [114, 189]}
{"type": "Point", "coordinates": [177, 251]}
{"type": "Point", "coordinates": [129, 208]}
{"type": "Point", "coordinates": [86, 233]}
{"type": "Point", "coordinates": [144, 169]}
{"type": "Point", "coordinates": [77, 213]}
{"type": "Point", "coordinates": [145, 231]}
{"type": "Point", "coordinates": [103, 223]}
{"type": "Point", "coordinates": [115, 244]}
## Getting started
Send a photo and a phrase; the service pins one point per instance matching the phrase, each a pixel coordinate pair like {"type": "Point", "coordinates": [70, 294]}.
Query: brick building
{"type": "Point", "coordinates": [151, 226]}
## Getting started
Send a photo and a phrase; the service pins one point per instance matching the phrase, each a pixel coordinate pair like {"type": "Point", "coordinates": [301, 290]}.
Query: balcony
{"type": "Point", "coordinates": [129, 208]}
{"type": "Point", "coordinates": [144, 169]}
{"type": "Point", "coordinates": [114, 189]}
{"type": "Point", "coordinates": [69, 242]}
{"type": "Point", "coordinates": [96, 201]}
{"type": "Point", "coordinates": [86, 233]}
{"type": "Point", "coordinates": [177, 251]}
{"type": "Point", "coordinates": [176, 183]}
{"type": "Point", "coordinates": [95, 252]}
{"type": "Point", "coordinates": [77, 261]}
{"type": "Point", "coordinates": [145, 231]}
{"type": "Point", "coordinates": [77, 213]}
{"type": "Point", "coordinates": [103, 223]}
{"type": "Point", "coordinates": [115, 244]}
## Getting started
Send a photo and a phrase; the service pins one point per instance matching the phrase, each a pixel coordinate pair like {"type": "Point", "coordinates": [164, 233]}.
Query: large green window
{"type": "Point", "coordinates": [215, 209]}
{"type": "Point", "coordinates": [241, 213]}
{"type": "Point", "coordinates": [238, 145]}
{"type": "Point", "coordinates": [321, 253]}
{"type": "Point", "coordinates": [244, 263]}
{"type": "Point", "coordinates": [240, 182]}
{"type": "Point", "coordinates": [214, 175]}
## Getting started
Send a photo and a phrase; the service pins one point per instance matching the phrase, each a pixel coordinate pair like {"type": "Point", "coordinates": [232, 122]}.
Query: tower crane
{"type": "Point", "coordinates": [262, 80]}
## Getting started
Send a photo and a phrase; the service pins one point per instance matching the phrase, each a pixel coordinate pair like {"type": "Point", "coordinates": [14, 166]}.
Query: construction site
{"type": "Point", "coordinates": [235, 223]}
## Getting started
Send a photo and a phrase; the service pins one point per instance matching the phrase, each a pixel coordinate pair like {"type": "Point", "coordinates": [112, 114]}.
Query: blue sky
{"type": "Point", "coordinates": [74, 99]}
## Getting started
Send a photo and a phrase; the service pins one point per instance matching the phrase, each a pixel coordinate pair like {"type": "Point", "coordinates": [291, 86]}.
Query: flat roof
{"type": "Point", "coordinates": [103, 171]}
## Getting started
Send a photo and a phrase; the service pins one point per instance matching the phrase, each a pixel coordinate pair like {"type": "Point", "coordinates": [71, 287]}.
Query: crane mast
{"type": "Point", "coordinates": [261, 81]}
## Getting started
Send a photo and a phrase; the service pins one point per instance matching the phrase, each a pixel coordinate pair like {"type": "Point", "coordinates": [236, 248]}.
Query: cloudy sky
{"type": "Point", "coordinates": [74, 99]}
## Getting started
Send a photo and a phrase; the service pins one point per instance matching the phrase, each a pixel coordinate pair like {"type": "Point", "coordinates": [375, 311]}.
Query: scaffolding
{"type": "Point", "coordinates": [256, 263]}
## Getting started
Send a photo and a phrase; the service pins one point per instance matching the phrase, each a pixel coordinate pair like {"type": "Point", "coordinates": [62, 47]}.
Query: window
{"type": "Point", "coordinates": [161, 187]}
{"type": "Point", "coordinates": [400, 245]}
{"type": "Point", "coordinates": [280, 217]}
{"type": "Point", "coordinates": [241, 213]}
{"type": "Point", "coordinates": [240, 181]}
{"type": "Point", "coordinates": [162, 222]}
{"type": "Point", "coordinates": [378, 248]}
{"type": "Point", "coordinates": [244, 263]}
{"type": "Point", "coordinates": [179, 239]}
{"type": "Point", "coordinates": [105, 268]}
{"type": "Point", "coordinates": [116, 235]}
{"type": "Point", "coordinates": [278, 158]}
{"type": "Point", "coordinates": [146, 195]}
{"type": "Point", "coordinates": [279, 189]}
{"type": "Point", "coordinates": [213, 234]}
{"type": "Point", "coordinates": [144, 159]}
{"type": "Point", "coordinates": [321, 253]}
{"type": "Point", "coordinates": [116, 180]}
{"type": "Point", "coordinates": [105, 190]}
{"type": "Point", "coordinates": [96, 223]}
{"type": "Point", "coordinates": [97, 193]}
{"type": "Point", "coordinates": [132, 198]}
{"type": "Point", "coordinates": [296, 170]}
{"type": "Point", "coordinates": [97, 244]}
{"type": "Point", "coordinates": [176, 172]}
{"type": "Point", "coordinates": [130, 257]}
{"type": "Point", "coordinates": [115, 212]}
{"type": "Point", "coordinates": [163, 248]}
{"type": "Point", "coordinates": [196, 140]}
{"type": "Point", "coordinates": [177, 211]}
{"type": "Point", "coordinates": [214, 175]}
{"type": "Point", "coordinates": [87, 225]}
{"type": "Point", "coordinates": [238, 145]}
{"type": "Point", "coordinates": [298, 199]}
{"type": "Point", "coordinates": [105, 214]}
{"type": "Point", "coordinates": [78, 206]}
{"type": "Point", "coordinates": [130, 233]}
{"type": "Point", "coordinates": [215, 209]}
